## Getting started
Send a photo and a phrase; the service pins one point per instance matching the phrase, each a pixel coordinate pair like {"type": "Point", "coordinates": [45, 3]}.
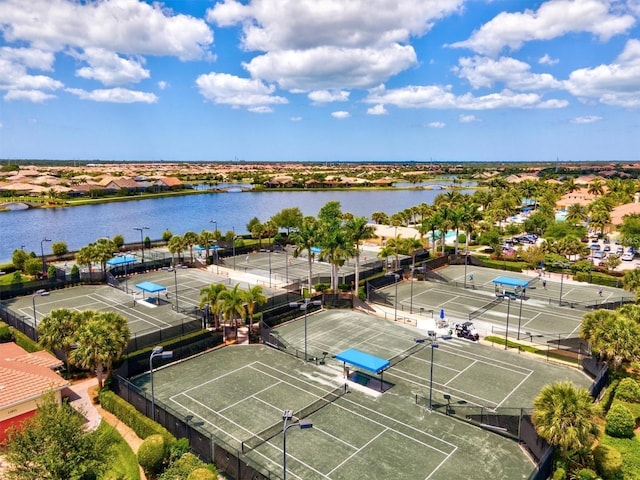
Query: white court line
{"type": "Point", "coordinates": [207, 421]}
{"type": "Point", "coordinates": [252, 395]}
{"type": "Point", "coordinates": [366, 408]}
{"type": "Point", "coordinates": [137, 317]}
{"type": "Point", "coordinates": [487, 360]}
{"type": "Point", "coordinates": [460, 373]}
{"type": "Point", "coordinates": [219, 377]}
{"type": "Point", "coordinates": [514, 389]}
{"type": "Point", "coordinates": [357, 452]}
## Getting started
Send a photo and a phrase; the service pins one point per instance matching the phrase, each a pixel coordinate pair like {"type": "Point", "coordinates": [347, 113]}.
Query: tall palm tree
{"type": "Point", "coordinates": [395, 244]}
{"type": "Point", "coordinates": [412, 245]}
{"type": "Point", "coordinates": [470, 218]}
{"type": "Point", "coordinates": [56, 330]}
{"type": "Point", "coordinates": [576, 214]}
{"type": "Point", "coordinates": [631, 281]}
{"type": "Point", "coordinates": [565, 416]}
{"type": "Point", "coordinates": [336, 249]}
{"type": "Point", "coordinates": [596, 187]}
{"type": "Point", "coordinates": [232, 305]}
{"type": "Point", "coordinates": [209, 297]}
{"type": "Point", "coordinates": [190, 240]}
{"type": "Point", "coordinates": [305, 239]}
{"type": "Point", "coordinates": [254, 297]}
{"type": "Point", "coordinates": [380, 218]}
{"type": "Point", "coordinates": [206, 239]}
{"type": "Point", "coordinates": [431, 224]}
{"type": "Point", "coordinates": [385, 252]}
{"type": "Point", "coordinates": [100, 341]}
{"type": "Point", "coordinates": [175, 246]}
{"type": "Point", "coordinates": [358, 230]}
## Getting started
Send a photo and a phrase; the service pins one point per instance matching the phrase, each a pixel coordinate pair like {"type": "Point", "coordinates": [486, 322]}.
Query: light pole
{"type": "Point", "coordinates": [269, 268]}
{"type": "Point", "coordinates": [506, 332]}
{"type": "Point", "coordinates": [413, 269]}
{"type": "Point", "coordinates": [466, 255]}
{"type": "Point", "coordinates": [44, 266]}
{"type": "Point", "coordinates": [433, 346]}
{"type": "Point", "coordinates": [286, 263]}
{"type": "Point", "coordinates": [522, 294]}
{"type": "Point", "coordinates": [234, 249]}
{"type": "Point", "coordinates": [215, 226]}
{"type": "Point", "coordinates": [157, 351]}
{"type": "Point", "coordinates": [175, 282]}
{"type": "Point", "coordinates": [215, 249]}
{"type": "Point", "coordinates": [305, 306]}
{"type": "Point", "coordinates": [395, 308]}
{"type": "Point", "coordinates": [37, 293]}
{"type": "Point", "coordinates": [303, 423]}
{"type": "Point", "coordinates": [141, 229]}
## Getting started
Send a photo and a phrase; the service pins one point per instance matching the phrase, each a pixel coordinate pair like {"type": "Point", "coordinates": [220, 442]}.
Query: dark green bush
{"type": "Point", "coordinates": [322, 287]}
{"type": "Point", "coordinates": [5, 334]}
{"type": "Point", "coordinates": [559, 474]}
{"type": "Point", "coordinates": [585, 474]}
{"type": "Point", "coordinates": [608, 462]}
{"type": "Point", "coordinates": [141, 425]}
{"type": "Point", "coordinates": [609, 395]}
{"type": "Point", "coordinates": [620, 422]}
{"type": "Point", "coordinates": [151, 454]}
{"type": "Point", "coordinates": [202, 474]}
{"type": "Point", "coordinates": [183, 466]}
{"type": "Point", "coordinates": [628, 390]}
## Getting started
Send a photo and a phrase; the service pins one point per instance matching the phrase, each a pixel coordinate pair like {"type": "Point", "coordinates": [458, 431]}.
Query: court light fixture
{"type": "Point", "coordinates": [157, 351]}
{"type": "Point", "coordinates": [305, 306]}
{"type": "Point", "coordinates": [303, 423]}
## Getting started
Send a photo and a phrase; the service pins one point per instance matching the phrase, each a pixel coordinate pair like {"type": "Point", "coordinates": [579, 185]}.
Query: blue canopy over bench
{"type": "Point", "coordinates": [365, 361]}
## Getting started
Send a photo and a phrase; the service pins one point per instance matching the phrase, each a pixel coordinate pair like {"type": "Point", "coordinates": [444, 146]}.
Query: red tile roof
{"type": "Point", "coordinates": [24, 376]}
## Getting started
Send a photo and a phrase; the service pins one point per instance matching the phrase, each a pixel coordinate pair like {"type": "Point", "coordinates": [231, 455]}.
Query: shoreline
{"type": "Point", "coordinates": [33, 203]}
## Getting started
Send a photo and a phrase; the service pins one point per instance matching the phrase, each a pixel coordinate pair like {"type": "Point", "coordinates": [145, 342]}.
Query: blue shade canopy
{"type": "Point", "coordinates": [122, 260]}
{"type": "Point", "coordinates": [150, 287]}
{"type": "Point", "coordinates": [363, 360]}
{"type": "Point", "coordinates": [315, 249]}
{"type": "Point", "coordinates": [510, 282]}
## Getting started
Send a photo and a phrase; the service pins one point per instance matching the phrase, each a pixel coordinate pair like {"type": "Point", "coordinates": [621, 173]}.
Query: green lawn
{"type": "Point", "coordinates": [122, 462]}
{"type": "Point", "coordinates": [629, 448]}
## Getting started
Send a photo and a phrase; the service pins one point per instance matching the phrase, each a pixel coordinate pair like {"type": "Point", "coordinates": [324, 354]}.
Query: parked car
{"type": "Point", "coordinates": [619, 250]}
{"type": "Point", "coordinates": [607, 248]}
{"type": "Point", "coordinates": [627, 256]}
{"type": "Point", "coordinates": [598, 254]}
{"type": "Point", "coordinates": [595, 246]}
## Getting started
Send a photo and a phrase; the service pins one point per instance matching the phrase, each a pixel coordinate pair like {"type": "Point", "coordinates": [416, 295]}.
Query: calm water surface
{"type": "Point", "coordinates": [78, 226]}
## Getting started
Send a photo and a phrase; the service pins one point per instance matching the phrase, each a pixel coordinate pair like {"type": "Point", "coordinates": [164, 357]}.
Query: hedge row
{"type": "Point", "coordinates": [597, 279]}
{"type": "Point", "coordinates": [141, 425]}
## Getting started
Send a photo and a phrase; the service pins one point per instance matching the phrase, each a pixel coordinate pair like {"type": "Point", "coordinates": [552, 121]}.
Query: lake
{"type": "Point", "coordinates": [78, 226]}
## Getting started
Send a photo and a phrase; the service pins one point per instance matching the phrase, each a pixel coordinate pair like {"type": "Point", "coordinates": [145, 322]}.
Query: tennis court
{"type": "Point", "coordinates": [470, 373]}
{"type": "Point", "coordinates": [534, 313]}
{"type": "Point", "coordinates": [239, 394]}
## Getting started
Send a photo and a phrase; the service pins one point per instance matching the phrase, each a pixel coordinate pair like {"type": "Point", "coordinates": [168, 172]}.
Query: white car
{"type": "Point", "coordinates": [627, 256]}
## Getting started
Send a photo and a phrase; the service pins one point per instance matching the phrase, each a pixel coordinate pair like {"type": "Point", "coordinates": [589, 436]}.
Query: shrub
{"type": "Point", "coordinates": [202, 474]}
{"type": "Point", "coordinates": [5, 334]}
{"type": "Point", "coordinates": [559, 474]}
{"type": "Point", "coordinates": [609, 395]}
{"type": "Point", "coordinates": [151, 454]}
{"type": "Point", "coordinates": [141, 425]}
{"type": "Point", "coordinates": [180, 468]}
{"type": "Point", "coordinates": [628, 390]}
{"type": "Point", "coordinates": [585, 474]}
{"type": "Point", "coordinates": [620, 422]}
{"type": "Point", "coordinates": [608, 462]}
{"type": "Point", "coordinates": [59, 248]}
{"type": "Point", "coordinates": [322, 287]}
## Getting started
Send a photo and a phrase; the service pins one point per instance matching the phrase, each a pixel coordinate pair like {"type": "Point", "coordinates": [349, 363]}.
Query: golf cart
{"type": "Point", "coordinates": [467, 330]}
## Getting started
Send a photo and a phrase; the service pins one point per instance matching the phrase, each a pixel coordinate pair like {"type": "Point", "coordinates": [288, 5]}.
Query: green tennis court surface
{"type": "Point", "coordinates": [239, 392]}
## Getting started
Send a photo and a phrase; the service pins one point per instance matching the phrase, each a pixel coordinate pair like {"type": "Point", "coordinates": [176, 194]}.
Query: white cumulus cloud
{"type": "Point", "coordinates": [226, 89]}
{"type": "Point", "coordinates": [547, 60]}
{"type": "Point", "coordinates": [510, 72]}
{"type": "Point", "coordinates": [330, 44]}
{"type": "Point", "coordinates": [340, 114]}
{"type": "Point", "coordinates": [436, 125]}
{"type": "Point", "coordinates": [33, 96]}
{"type": "Point", "coordinates": [110, 69]}
{"type": "Point", "coordinates": [328, 96]}
{"type": "Point", "coordinates": [554, 18]}
{"type": "Point", "coordinates": [377, 110]}
{"type": "Point", "coordinates": [615, 84]}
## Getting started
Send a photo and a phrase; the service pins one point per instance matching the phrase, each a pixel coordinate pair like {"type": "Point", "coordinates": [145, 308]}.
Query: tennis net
{"type": "Point", "coordinates": [274, 430]}
{"type": "Point", "coordinates": [406, 354]}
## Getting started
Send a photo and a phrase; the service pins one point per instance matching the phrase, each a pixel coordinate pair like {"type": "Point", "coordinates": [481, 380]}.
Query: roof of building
{"type": "Point", "coordinates": [618, 213]}
{"type": "Point", "coordinates": [24, 375]}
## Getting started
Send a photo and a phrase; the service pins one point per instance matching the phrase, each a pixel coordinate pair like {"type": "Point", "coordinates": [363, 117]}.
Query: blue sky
{"type": "Point", "coordinates": [320, 80]}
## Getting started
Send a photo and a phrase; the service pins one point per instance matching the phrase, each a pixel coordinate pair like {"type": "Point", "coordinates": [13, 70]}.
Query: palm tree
{"type": "Point", "coordinates": [232, 304]}
{"type": "Point", "coordinates": [206, 239]}
{"type": "Point", "coordinates": [357, 230]}
{"type": "Point", "coordinates": [631, 281]}
{"type": "Point", "coordinates": [576, 214]}
{"type": "Point", "coordinates": [100, 341]}
{"type": "Point", "coordinates": [565, 416]}
{"type": "Point", "coordinates": [336, 249]}
{"type": "Point", "coordinates": [431, 224]}
{"type": "Point", "coordinates": [253, 298]}
{"type": "Point", "coordinates": [190, 239]}
{"type": "Point", "coordinates": [613, 334]}
{"type": "Point", "coordinates": [84, 256]}
{"type": "Point", "coordinates": [103, 250]}
{"type": "Point", "coordinates": [470, 218]}
{"type": "Point", "coordinates": [175, 246]}
{"type": "Point", "coordinates": [385, 252]}
{"type": "Point", "coordinates": [209, 297]}
{"type": "Point", "coordinates": [305, 239]}
{"type": "Point", "coordinates": [395, 244]}
{"type": "Point", "coordinates": [596, 187]}
{"type": "Point", "coordinates": [55, 331]}
{"type": "Point", "coordinates": [412, 245]}
{"type": "Point", "coordinates": [380, 218]}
